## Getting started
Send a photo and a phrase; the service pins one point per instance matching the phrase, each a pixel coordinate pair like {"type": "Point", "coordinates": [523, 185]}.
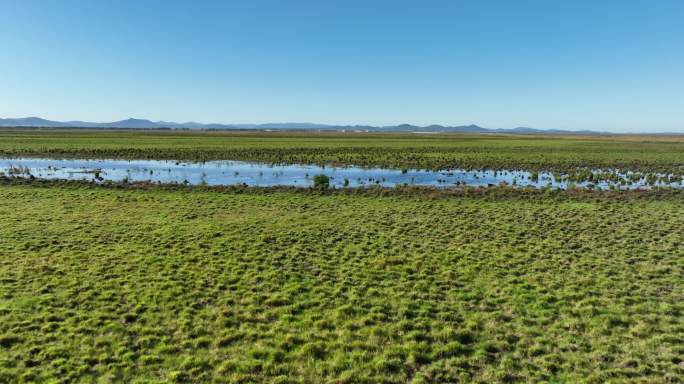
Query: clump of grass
{"type": "Point", "coordinates": [7, 341]}
{"type": "Point", "coordinates": [321, 181]}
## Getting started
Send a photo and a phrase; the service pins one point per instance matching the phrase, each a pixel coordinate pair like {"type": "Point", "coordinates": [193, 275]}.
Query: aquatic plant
{"type": "Point", "coordinates": [321, 181]}
{"type": "Point", "coordinates": [663, 155]}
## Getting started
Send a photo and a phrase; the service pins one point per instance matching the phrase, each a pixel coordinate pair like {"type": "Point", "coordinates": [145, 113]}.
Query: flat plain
{"type": "Point", "coordinates": [397, 150]}
{"type": "Point", "coordinates": [153, 284]}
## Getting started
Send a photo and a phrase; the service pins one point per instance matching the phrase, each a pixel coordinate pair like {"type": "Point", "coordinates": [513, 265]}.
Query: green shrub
{"type": "Point", "coordinates": [321, 181]}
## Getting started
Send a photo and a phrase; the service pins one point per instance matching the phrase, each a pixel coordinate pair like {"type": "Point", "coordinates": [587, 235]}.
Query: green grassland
{"type": "Point", "coordinates": [193, 285]}
{"type": "Point", "coordinates": [426, 151]}
{"type": "Point", "coordinates": [143, 283]}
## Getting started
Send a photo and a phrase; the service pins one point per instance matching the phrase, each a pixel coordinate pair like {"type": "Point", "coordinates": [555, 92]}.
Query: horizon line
{"type": "Point", "coordinates": [293, 125]}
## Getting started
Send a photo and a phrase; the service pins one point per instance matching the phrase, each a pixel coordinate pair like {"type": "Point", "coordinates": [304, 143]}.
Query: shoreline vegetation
{"type": "Point", "coordinates": [558, 154]}
{"type": "Point", "coordinates": [619, 160]}
{"type": "Point", "coordinates": [498, 192]}
{"type": "Point", "coordinates": [159, 173]}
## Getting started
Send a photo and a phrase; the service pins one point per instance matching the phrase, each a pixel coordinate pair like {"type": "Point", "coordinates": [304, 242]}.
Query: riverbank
{"type": "Point", "coordinates": [501, 192]}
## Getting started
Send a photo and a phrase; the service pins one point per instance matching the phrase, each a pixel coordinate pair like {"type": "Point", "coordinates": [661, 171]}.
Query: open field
{"type": "Point", "coordinates": [428, 151]}
{"type": "Point", "coordinates": [192, 285]}
{"type": "Point", "coordinates": [149, 283]}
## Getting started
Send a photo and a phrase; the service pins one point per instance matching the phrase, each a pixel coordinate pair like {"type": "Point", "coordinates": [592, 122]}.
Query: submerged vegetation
{"type": "Point", "coordinates": [264, 175]}
{"type": "Point", "coordinates": [618, 161]}
{"type": "Point", "coordinates": [180, 284]}
{"type": "Point", "coordinates": [321, 181]}
{"type": "Point", "coordinates": [646, 154]}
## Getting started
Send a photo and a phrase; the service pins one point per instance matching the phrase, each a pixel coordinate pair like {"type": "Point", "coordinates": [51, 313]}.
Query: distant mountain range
{"type": "Point", "coordinates": [147, 124]}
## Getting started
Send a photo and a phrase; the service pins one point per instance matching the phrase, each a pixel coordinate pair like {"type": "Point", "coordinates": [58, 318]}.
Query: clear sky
{"type": "Point", "coordinates": [614, 65]}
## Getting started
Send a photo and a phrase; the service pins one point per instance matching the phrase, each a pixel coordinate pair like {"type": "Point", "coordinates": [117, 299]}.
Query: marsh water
{"type": "Point", "coordinates": [263, 175]}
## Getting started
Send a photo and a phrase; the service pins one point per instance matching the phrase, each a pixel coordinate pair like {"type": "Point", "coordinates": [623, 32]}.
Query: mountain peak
{"type": "Point", "coordinates": [135, 123]}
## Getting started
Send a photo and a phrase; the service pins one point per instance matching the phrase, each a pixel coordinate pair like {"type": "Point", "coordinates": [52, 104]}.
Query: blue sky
{"type": "Point", "coordinates": [613, 65]}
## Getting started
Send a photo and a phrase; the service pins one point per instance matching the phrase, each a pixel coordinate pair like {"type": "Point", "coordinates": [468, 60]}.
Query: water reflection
{"type": "Point", "coordinates": [263, 175]}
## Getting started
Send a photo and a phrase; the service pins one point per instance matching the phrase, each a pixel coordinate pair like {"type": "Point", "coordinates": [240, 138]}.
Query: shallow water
{"type": "Point", "coordinates": [263, 175]}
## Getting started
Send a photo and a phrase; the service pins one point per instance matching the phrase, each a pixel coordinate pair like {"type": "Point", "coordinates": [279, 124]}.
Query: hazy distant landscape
{"type": "Point", "coordinates": [147, 124]}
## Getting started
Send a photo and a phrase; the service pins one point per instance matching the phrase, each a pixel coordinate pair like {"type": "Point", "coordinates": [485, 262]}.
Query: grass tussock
{"type": "Point", "coordinates": [170, 284]}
